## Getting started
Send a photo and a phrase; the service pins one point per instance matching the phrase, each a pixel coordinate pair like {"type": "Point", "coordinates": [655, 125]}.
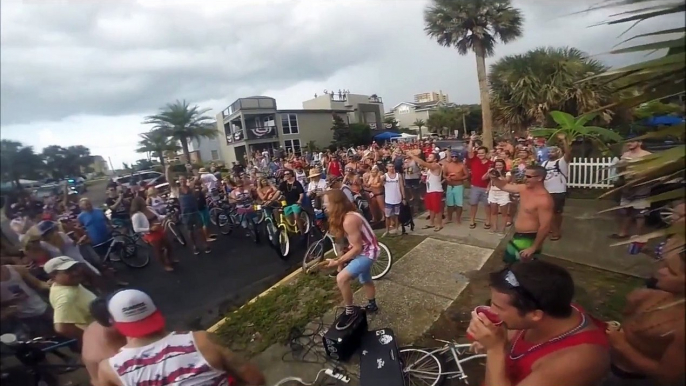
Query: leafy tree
{"type": "Point", "coordinates": [474, 26]}
{"type": "Point", "coordinates": [390, 121]}
{"type": "Point", "coordinates": [655, 109]}
{"type": "Point", "coordinates": [574, 128]}
{"type": "Point", "coordinates": [360, 134]}
{"type": "Point", "coordinates": [144, 164]}
{"type": "Point", "coordinates": [157, 143]}
{"type": "Point", "coordinates": [62, 162]}
{"type": "Point", "coordinates": [341, 134]}
{"type": "Point", "coordinates": [651, 80]}
{"type": "Point", "coordinates": [462, 118]}
{"type": "Point", "coordinates": [19, 162]}
{"type": "Point", "coordinates": [526, 87]}
{"type": "Point", "coordinates": [184, 123]}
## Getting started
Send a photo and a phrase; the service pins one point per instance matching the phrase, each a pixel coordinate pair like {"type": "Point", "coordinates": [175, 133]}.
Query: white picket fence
{"type": "Point", "coordinates": [594, 173]}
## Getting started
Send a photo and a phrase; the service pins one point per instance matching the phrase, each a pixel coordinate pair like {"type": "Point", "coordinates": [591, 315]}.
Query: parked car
{"type": "Point", "coordinates": [50, 189]}
{"type": "Point", "coordinates": [150, 177]}
{"type": "Point", "coordinates": [79, 183]}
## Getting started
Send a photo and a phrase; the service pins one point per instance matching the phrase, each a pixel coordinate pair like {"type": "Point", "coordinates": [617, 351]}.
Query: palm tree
{"type": "Point", "coordinates": [419, 123]}
{"type": "Point", "coordinates": [526, 87]}
{"type": "Point", "coordinates": [476, 26]}
{"type": "Point", "coordinates": [183, 123]}
{"type": "Point", "coordinates": [157, 143]}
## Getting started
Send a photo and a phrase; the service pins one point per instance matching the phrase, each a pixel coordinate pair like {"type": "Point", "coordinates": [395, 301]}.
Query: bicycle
{"type": "Point", "coordinates": [32, 356]}
{"type": "Point", "coordinates": [122, 248]}
{"type": "Point", "coordinates": [429, 367]}
{"type": "Point", "coordinates": [171, 220]}
{"type": "Point", "coordinates": [265, 222]}
{"type": "Point", "coordinates": [314, 256]}
{"type": "Point", "coordinates": [231, 216]}
{"type": "Point", "coordinates": [287, 228]}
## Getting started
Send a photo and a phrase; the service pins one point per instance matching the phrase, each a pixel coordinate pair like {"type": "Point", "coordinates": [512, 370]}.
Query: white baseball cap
{"type": "Point", "coordinates": [134, 314]}
{"type": "Point", "coordinates": [59, 263]}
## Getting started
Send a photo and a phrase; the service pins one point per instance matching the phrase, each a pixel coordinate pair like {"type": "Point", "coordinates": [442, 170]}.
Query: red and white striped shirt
{"type": "Point", "coordinates": [370, 245]}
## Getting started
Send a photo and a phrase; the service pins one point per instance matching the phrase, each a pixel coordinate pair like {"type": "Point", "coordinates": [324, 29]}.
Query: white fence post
{"type": "Point", "coordinates": [594, 173]}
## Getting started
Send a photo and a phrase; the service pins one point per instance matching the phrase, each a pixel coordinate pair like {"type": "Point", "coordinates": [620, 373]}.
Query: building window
{"type": "Point", "coordinates": [292, 145]}
{"type": "Point", "coordinates": [215, 155]}
{"type": "Point", "coordinates": [404, 109]}
{"type": "Point", "coordinates": [289, 123]}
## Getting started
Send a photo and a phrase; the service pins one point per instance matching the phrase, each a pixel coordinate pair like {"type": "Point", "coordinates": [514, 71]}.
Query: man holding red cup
{"type": "Point", "coordinates": [532, 335]}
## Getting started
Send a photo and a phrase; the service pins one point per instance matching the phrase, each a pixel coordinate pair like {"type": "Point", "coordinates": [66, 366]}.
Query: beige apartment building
{"type": "Point", "coordinates": [431, 97]}
{"type": "Point", "coordinates": [255, 123]}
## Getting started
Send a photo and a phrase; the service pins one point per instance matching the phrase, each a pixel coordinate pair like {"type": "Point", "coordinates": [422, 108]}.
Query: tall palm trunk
{"type": "Point", "coordinates": [420, 133]}
{"type": "Point", "coordinates": [184, 146]}
{"type": "Point", "coordinates": [161, 157]}
{"type": "Point", "coordinates": [487, 134]}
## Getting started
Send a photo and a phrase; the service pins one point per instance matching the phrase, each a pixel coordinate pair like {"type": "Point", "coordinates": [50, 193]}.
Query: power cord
{"type": "Point", "coordinates": [306, 346]}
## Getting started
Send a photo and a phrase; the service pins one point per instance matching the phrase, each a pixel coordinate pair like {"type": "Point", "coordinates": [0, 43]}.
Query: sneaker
{"type": "Point", "coordinates": [371, 307]}
{"type": "Point", "coordinates": [207, 250]}
{"type": "Point", "coordinates": [346, 320]}
{"type": "Point", "coordinates": [196, 251]}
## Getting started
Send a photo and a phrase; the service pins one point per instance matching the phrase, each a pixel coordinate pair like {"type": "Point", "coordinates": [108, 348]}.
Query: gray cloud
{"type": "Point", "coordinates": [129, 57]}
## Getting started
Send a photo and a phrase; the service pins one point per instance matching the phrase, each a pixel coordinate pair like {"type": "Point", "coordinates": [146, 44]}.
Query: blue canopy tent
{"type": "Point", "coordinates": [386, 136]}
{"type": "Point", "coordinates": [665, 120]}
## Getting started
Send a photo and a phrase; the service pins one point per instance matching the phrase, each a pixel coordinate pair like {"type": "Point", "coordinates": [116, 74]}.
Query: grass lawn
{"type": "Point", "coordinates": [601, 293]}
{"type": "Point", "coordinates": [270, 318]}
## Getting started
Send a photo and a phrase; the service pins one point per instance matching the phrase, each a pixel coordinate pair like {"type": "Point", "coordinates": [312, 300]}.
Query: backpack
{"type": "Point", "coordinates": [556, 168]}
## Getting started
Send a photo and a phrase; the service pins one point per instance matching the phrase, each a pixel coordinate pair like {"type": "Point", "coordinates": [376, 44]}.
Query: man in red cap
{"type": "Point", "coordinates": [154, 356]}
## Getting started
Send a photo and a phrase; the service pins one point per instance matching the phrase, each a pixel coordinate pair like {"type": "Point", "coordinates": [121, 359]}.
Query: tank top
{"type": "Point", "coordinates": [158, 204]}
{"type": "Point", "coordinates": [412, 171]}
{"type": "Point", "coordinates": [433, 182]}
{"type": "Point", "coordinates": [243, 198]}
{"type": "Point", "coordinates": [301, 177]}
{"type": "Point", "coordinates": [172, 360]}
{"type": "Point", "coordinates": [392, 189]}
{"type": "Point", "coordinates": [334, 169]}
{"type": "Point", "coordinates": [32, 305]}
{"type": "Point", "coordinates": [519, 367]}
{"type": "Point", "coordinates": [370, 245]}
{"type": "Point", "coordinates": [188, 203]}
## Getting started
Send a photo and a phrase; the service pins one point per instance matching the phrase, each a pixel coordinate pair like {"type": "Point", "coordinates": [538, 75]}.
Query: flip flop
{"type": "Point", "coordinates": [472, 225]}
{"type": "Point", "coordinates": [508, 224]}
{"type": "Point", "coordinates": [428, 226]}
{"type": "Point", "coordinates": [487, 226]}
{"type": "Point", "coordinates": [438, 229]}
{"type": "Point", "coordinates": [555, 238]}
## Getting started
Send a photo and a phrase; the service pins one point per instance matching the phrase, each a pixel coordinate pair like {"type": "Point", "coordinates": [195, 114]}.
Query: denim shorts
{"type": "Point", "coordinates": [477, 194]}
{"type": "Point", "coordinates": [391, 210]}
{"type": "Point", "coordinates": [361, 268]}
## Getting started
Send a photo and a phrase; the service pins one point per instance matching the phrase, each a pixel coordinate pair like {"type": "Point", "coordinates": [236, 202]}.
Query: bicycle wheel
{"type": "Point", "coordinates": [284, 241]}
{"type": "Point", "coordinates": [225, 222]}
{"type": "Point", "coordinates": [139, 258]}
{"type": "Point", "coordinates": [383, 263]}
{"type": "Point", "coordinates": [313, 256]}
{"type": "Point", "coordinates": [272, 234]}
{"type": "Point", "coordinates": [176, 233]}
{"type": "Point", "coordinates": [305, 218]}
{"type": "Point", "coordinates": [214, 213]}
{"type": "Point", "coordinates": [420, 367]}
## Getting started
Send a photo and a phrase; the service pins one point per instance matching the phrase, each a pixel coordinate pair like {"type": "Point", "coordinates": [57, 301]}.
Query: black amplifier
{"type": "Point", "coordinates": [342, 344]}
{"type": "Point", "coordinates": [379, 361]}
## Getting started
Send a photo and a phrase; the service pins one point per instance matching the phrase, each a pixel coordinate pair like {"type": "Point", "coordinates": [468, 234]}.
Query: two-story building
{"type": "Point", "coordinates": [407, 113]}
{"type": "Point", "coordinates": [255, 124]}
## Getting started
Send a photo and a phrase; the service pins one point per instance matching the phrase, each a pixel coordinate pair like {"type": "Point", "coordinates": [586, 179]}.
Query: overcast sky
{"type": "Point", "coordinates": [87, 72]}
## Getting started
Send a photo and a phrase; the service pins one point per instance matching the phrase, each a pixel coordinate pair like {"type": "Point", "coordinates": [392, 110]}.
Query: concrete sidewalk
{"type": "Point", "coordinates": [411, 297]}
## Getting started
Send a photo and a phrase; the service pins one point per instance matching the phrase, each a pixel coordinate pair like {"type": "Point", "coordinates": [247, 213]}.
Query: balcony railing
{"type": "Point", "coordinates": [375, 99]}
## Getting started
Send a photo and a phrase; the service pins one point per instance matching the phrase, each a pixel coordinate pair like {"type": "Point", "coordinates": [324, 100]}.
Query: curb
{"type": "Point", "coordinates": [281, 282]}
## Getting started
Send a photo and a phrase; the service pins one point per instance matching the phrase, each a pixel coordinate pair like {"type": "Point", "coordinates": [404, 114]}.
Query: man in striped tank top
{"type": "Point", "coordinates": [356, 263]}
{"type": "Point", "coordinates": [153, 356]}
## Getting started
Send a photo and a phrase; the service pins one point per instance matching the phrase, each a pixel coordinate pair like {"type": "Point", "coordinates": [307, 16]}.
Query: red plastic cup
{"type": "Point", "coordinates": [492, 317]}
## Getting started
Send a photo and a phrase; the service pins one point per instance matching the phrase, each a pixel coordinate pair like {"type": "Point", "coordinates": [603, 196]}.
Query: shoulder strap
{"type": "Point", "coordinates": [557, 168]}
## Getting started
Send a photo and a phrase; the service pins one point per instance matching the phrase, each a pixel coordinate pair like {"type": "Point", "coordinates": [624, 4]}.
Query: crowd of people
{"type": "Point", "coordinates": [51, 288]}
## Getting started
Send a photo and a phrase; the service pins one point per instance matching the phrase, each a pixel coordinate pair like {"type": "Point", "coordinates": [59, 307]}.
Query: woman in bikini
{"type": "Point", "coordinates": [374, 184]}
{"type": "Point", "coordinates": [149, 223]}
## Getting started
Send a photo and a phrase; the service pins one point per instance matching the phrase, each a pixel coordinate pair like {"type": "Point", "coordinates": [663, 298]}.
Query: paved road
{"type": "Point", "coordinates": [203, 287]}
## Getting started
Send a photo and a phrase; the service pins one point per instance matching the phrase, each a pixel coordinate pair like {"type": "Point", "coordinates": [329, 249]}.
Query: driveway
{"type": "Point", "coordinates": [203, 287]}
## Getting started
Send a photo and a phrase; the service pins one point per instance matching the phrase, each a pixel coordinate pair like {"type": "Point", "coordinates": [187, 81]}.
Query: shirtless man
{"type": "Point", "coordinates": [100, 340]}
{"type": "Point", "coordinates": [535, 214]}
{"type": "Point", "coordinates": [634, 200]}
{"type": "Point", "coordinates": [544, 340]}
{"type": "Point", "coordinates": [648, 349]}
{"type": "Point", "coordinates": [455, 174]}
